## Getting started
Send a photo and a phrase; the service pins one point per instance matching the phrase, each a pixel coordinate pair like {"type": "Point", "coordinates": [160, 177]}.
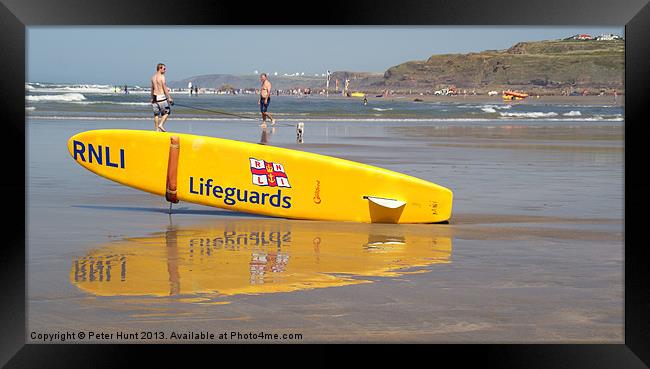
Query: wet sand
{"type": "Point", "coordinates": [533, 253]}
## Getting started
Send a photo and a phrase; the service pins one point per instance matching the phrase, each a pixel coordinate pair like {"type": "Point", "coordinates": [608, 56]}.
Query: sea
{"type": "Point", "coordinates": [94, 101]}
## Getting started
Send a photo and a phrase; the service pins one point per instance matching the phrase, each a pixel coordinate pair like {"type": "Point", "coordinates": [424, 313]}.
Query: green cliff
{"type": "Point", "coordinates": [527, 65]}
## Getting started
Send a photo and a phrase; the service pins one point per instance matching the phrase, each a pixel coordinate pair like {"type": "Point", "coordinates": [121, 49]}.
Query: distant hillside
{"type": "Point", "coordinates": [215, 81]}
{"type": "Point", "coordinates": [544, 64]}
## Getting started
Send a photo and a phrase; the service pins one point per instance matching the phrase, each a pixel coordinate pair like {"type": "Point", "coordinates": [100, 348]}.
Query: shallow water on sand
{"type": "Point", "coordinates": [533, 253]}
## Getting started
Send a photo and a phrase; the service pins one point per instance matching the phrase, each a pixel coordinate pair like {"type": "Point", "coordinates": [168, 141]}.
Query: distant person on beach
{"type": "Point", "coordinates": [265, 99]}
{"type": "Point", "coordinates": [160, 98]}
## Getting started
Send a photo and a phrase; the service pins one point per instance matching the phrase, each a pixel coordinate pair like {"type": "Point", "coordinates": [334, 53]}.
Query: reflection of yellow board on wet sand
{"type": "Point", "coordinates": [257, 256]}
{"type": "Point", "coordinates": [258, 179]}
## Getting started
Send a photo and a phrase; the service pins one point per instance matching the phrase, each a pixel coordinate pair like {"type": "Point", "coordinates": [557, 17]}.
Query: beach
{"type": "Point", "coordinates": [533, 252]}
{"type": "Point", "coordinates": [485, 99]}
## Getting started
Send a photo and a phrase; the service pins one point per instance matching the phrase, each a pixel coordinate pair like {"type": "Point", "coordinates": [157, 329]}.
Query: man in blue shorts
{"type": "Point", "coordinates": [265, 99]}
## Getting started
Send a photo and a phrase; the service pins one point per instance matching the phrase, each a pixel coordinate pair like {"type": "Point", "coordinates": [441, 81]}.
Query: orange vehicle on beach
{"type": "Point", "coordinates": [512, 95]}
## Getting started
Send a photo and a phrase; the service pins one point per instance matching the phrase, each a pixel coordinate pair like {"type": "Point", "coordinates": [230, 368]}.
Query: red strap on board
{"type": "Point", "coordinates": [172, 169]}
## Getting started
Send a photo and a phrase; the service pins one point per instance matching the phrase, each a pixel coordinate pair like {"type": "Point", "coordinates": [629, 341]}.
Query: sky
{"type": "Point", "coordinates": [118, 55]}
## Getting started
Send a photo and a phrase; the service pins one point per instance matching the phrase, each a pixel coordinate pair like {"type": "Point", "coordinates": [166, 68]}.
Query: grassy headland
{"type": "Point", "coordinates": [553, 67]}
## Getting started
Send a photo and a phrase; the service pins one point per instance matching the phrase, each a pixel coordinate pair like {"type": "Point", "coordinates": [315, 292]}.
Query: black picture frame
{"type": "Point", "coordinates": [16, 15]}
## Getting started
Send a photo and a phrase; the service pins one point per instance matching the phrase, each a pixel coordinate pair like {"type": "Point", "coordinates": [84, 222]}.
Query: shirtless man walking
{"type": "Point", "coordinates": [160, 98]}
{"type": "Point", "coordinates": [265, 99]}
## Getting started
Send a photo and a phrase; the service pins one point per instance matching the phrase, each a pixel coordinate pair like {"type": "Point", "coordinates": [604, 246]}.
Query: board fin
{"type": "Point", "coordinates": [383, 210]}
{"type": "Point", "coordinates": [386, 203]}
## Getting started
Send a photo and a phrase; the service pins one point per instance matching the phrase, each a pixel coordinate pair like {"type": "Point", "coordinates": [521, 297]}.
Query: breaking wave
{"type": "Point", "coordinates": [494, 108]}
{"type": "Point", "coordinates": [64, 97]}
{"type": "Point", "coordinates": [535, 114]}
{"type": "Point", "coordinates": [111, 103]}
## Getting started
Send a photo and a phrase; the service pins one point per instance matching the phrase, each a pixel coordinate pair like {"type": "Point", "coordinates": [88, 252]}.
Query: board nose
{"type": "Point", "coordinates": [74, 145]}
{"type": "Point", "coordinates": [79, 140]}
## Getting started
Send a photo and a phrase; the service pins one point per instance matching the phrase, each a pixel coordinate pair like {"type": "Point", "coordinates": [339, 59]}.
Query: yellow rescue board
{"type": "Point", "coordinates": [260, 179]}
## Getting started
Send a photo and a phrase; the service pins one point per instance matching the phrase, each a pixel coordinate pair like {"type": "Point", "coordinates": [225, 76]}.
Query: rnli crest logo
{"type": "Point", "coordinates": [268, 174]}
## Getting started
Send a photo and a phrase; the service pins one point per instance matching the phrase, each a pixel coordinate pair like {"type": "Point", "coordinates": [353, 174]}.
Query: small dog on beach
{"type": "Point", "coordinates": [300, 129]}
